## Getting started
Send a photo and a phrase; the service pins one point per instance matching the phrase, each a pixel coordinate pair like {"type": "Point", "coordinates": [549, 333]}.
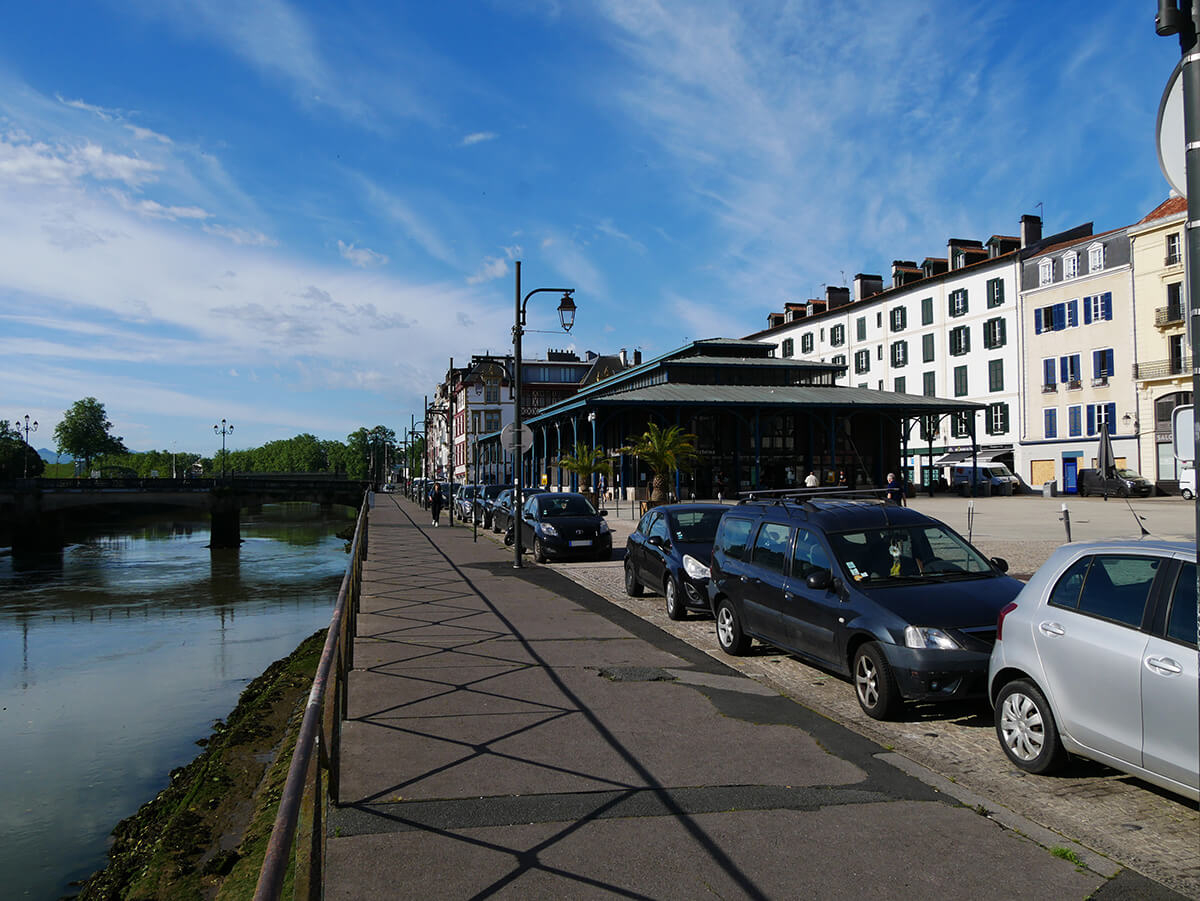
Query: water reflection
{"type": "Point", "coordinates": [117, 654]}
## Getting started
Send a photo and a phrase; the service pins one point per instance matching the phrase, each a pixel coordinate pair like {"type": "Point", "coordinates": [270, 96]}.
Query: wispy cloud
{"type": "Point", "coordinates": [492, 268]}
{"type": "Point", "coordinates": [478, 137]}
{"type": "Point", "coordinates": [362, 257]}
{"type": "Point", "coordinates": [243, 236]}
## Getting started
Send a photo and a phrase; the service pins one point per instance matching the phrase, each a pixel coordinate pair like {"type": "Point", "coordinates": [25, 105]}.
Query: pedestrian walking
{"type": "Point", "coordinates": [842, 483]}
{"type": "Point", "coordinates": [811, 480]}
{"type": "Point", "coordinates": [895, 491]}
{"type": "Point", "coordinates": [435, 502]}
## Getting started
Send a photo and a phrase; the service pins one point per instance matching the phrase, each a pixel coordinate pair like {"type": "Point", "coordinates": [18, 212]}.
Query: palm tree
{"type": "Point", "coordinates": [585, 462]}
{"type": "Point", "coordinates": [664, 451]}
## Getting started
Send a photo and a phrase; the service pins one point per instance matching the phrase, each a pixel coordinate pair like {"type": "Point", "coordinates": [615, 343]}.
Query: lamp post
{"type": "Point", "coordinates": [225, 428]}
{"type": "Point", "coordinates": [446, 414]}
{"type": "Point", "coordinates": [28, 427]}
{"type": "Point", "coordinates": [566, 316]}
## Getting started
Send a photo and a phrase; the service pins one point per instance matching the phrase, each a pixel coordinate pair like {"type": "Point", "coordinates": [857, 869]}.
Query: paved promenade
{"type": "Point", "coordinates": [514, 735]}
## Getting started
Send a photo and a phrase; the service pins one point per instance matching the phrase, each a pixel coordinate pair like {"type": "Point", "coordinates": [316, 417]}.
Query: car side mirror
{"type": "Point", "coordinates": [819, 580]}
{"type": "Point", "coordinates": [1000, 563]}
{"type": "Point", "coordinates": [655, 540]}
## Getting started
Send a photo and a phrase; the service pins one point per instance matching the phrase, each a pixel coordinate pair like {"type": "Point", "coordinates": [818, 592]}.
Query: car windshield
{"type": "Point", "coordinates": [565, 505]}
{"type": "Point", "coordinates": [1128, 474]}
{"type": "Point", "coordinates": [928, 552]}
{"type": "Point", "coordinates": [696, 526]}
{"type": "Point", "coordinates": [492, 492]}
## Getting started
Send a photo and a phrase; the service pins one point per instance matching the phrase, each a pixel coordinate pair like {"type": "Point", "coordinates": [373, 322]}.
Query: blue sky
{"type": "Point", "coordinates": [292, 215]}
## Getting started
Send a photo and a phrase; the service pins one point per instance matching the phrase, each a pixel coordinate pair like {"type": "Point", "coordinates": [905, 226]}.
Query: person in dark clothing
{"type": "Point", "coordinates": [895, 491]}
{"type": "Point", "coordinates": [435, 502]}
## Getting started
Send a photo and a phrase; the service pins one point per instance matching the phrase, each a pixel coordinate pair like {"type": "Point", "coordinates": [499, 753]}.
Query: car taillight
{"type": "Point", "coordinates": [1005, 611]}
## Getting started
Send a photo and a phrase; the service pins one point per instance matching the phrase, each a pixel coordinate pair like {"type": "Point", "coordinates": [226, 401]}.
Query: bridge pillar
{"type": "Point", "coordinates": [226, 523]}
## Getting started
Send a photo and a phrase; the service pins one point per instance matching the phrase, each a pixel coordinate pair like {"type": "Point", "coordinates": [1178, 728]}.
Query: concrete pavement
{"type": "Point", "coordinates": [512, 734]}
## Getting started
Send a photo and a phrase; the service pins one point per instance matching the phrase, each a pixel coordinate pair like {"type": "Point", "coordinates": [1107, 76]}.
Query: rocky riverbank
{"type": "Point", "coordinates": [204, 835]}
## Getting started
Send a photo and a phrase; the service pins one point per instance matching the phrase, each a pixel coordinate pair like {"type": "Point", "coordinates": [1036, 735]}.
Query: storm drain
{"type": "Point", "coordinates": [636, 674]}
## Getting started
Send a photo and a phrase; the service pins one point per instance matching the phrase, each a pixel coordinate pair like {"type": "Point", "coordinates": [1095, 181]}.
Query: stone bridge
{"type": "Point", "coordinates": [34, 512]}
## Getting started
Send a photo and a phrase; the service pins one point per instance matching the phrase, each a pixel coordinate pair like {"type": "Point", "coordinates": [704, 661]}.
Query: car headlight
{"type": "Point", "coordinates": [604, 529]}
{"type": "Point", "coordinates": [549, 530]}
{"type": "Point", "coordinates": [923, 637]}
{"type": "Point", "coordinates": [694, 568]}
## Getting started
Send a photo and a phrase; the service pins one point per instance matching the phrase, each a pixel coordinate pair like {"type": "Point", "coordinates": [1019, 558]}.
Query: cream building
{"type": "Point", "coordinates": [1163, 371]}
{"type": "Point", "coordinates": [1077, 351]}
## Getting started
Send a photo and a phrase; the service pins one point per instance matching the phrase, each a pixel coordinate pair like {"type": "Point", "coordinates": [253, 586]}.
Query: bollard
{"type": "Point", "coordinates": [1066, 521]}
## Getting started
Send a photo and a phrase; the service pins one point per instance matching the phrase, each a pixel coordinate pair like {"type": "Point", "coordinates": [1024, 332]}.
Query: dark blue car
{"type": "Point", "coordinates": [894, 599]}
{"type": "Point", "coordinates": [563, 525]}
{"type": "Point", "coordinates": [669, 552]}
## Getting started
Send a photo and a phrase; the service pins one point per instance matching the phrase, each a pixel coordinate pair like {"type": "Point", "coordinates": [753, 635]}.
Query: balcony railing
{"type": "Point", "coordinates": [1157, 369]}
{"type": "Point", "coordinates": [1172, 314]}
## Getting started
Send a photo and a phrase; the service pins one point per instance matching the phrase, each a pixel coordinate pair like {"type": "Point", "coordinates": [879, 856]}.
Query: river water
{"type": "Point", "coordinates": [118, 655]}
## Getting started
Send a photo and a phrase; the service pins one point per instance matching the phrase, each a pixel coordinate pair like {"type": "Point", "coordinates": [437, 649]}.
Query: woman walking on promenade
{"type": "Point", "coordinates": [435, 502]}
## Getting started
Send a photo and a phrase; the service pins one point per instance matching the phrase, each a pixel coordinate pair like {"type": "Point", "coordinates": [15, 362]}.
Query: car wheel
{"type": "Point", "coordinates": [730, 636]}
{"type": "Point", "coordinates": [1123, 492]}
{"type": "Point", "coordinates": [1187, 495]}
{"type": "Point", "coordinates": [539, 551]}
{"type": "Point", "coordinates": [1082, 491]}
{"type": "Point", "coordinates": [1026, 728]}
{"type": "Point", "coordinates": [675, 608]}
{"type": "Point", "coordinates": [874, 683]}
{"type": "Point", "coordinates": [633, 587]}
{"type": "Point", "coordinates": [509, 541]}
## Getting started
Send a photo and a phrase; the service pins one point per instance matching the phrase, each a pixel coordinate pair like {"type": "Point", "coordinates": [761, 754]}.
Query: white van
{"type": "Point", "coordinates": [1187, 482]}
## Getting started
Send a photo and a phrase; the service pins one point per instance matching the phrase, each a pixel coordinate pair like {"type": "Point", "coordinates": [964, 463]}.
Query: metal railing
{"type": "Point", "coordinates": [303, 799]}
{"type": "Point", "coordinates": [1171, 314]}
{"type": "Point", "coordinates": [1161, 368]}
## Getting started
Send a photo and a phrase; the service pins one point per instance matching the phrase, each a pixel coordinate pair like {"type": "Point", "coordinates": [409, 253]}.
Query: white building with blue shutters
{"type": "Point", "coordinates": [1077, 346]}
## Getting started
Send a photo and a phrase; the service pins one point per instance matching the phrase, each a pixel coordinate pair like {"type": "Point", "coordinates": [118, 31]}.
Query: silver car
{"type": "Point", "coordinates": [1097, 657]}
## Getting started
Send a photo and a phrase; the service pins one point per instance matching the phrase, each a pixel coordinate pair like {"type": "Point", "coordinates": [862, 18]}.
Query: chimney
{"type": "Point", "coordinates": [867, 286]}
{"type": "Point", "coordinates": [836, 297]}
{"type": "Point", "coordinates": [637, 358]}
{"type": "Point", "coordinates": [1031, 230]}
{"type": "Point", "coordinates": [624, 358]}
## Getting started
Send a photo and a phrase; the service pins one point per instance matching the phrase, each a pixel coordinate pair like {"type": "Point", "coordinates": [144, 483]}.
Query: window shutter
{"type": "Point", "coordinates": [1109, 364]}
{"type": "Point", "coordinates": [1107, 303]}
{"type": "Point", "coordinates": [1087, 310]}
{"type": "Point", "coordinates": [1072, 313]}
{"type": "Point", "coordinates": [1003, 418]}
{"type": "Point", "coordinates": [1097, 363]}
{"type": "Point", "coordinates": [1060, 317]}
{"type": "Point", "coordinates": [1110, 416]}
{"type": "Point", "coordinates": [1037, 322]}
{"type": "Point", "coordinates": [1062, 370]}
{"type": "Point", "coordinates": [1047, 372]}
{"type": "Point", "coordinates": [1091, 419]}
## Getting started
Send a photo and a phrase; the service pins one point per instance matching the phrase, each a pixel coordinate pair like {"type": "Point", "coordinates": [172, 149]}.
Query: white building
{"type": "Point", "coordinates": [1078, 352]}
{"type": "Point", "coordinates": [946, 328]}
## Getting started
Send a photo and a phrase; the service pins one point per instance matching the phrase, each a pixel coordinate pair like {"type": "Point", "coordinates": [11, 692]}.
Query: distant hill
{"type": "Point", "coordinates": [52, 457]}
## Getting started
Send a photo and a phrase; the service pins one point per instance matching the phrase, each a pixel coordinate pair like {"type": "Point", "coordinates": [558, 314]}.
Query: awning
{"type": "Point", "coordinates": [983, 455]}
{"type": "Point", "coordinates": [954, 457]}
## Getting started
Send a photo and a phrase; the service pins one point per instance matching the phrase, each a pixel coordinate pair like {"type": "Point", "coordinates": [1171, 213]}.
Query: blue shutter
{"type": "Point", "coordinates": [1097, 363]}
{"type": "Point", "coordinates": [1064, 376]}
{"type": "Point", "coordinates": [1110, 416]}
{"type": "Point", "coordinates": [1091, 419]}
{"type": "Point", "coordinates": [1087, 310]}
{"type": "Point", "coordinates": [1072, 313]}
{"type": "Point", "coordinates": [1047, 372]}
{"type": "Point", "coordinates": [1109, 363]}
{"type": "Point", "coordinates": [1106, 301]}
{"type": "Point", "coordinates": [1060, 317]}
{"type": "Point", "coordinates": [1037, 322]}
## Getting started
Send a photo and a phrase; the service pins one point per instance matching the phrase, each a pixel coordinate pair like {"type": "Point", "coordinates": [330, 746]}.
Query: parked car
{"type": "Point", "coordinates": [1097, 657]}
{"type": "Point", "coordinates": [563, 525]}
{"type": "Point", "coordinates": [669, 552]}
{"type": "Point", "coordinates": [888, 596]}
{"type": "Point", "coordinates": [464, 502]}
{"type": "Point", "coordinates": [502, 510]}
{"type": "Point", "coordinates": [1124, 483]}
{"type": "Point", "coordinates": [485, 497]}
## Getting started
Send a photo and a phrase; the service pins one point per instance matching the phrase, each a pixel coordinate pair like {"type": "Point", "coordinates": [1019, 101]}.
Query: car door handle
{"type": "Point", "coordinates": [1051, 629]}
{"type": "Point", "coordinates": [1164, 665]}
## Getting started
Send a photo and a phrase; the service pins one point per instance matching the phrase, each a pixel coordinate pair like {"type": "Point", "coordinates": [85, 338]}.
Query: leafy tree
{"type": "Point", "coordinates": [16, 457]}
{"type": "Point", "coordinates": [85, 432]}
{"type": "Point", "coordinates": [586, 462]}
{"type": "Point", "coordinates": [664, 451]}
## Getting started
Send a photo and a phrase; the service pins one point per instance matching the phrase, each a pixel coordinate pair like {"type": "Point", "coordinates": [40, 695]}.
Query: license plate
{"type": "Point", "coordinates": [586, 542]}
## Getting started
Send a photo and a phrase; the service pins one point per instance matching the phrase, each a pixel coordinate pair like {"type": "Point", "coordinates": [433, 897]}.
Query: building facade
{"type": "Point", "coordinates": [1077, 326]}
{"type": "Point", "coordinates": [1158, 249]}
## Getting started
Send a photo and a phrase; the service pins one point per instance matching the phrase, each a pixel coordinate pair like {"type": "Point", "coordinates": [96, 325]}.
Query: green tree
{"type": "Point", "coordinates": [16, 457]}
{"type": "Point", "coordinates": [586, 462]}
{"type": "Point", "coordinates": [85, 432]}
{"type": "Point", "coordinates": [664, 451]}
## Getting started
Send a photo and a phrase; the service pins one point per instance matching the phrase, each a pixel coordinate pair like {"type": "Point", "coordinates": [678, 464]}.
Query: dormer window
{"type": "Point", "coordinates": [1070, 262]}
{"type": "Point", "coordinates": [1045, 272]}
{"type": "Point", "coordinates": [1096, 257]}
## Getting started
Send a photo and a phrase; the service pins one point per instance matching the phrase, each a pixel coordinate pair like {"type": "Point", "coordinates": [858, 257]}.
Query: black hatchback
{"type": "Point", "coordinates": [669, 552]}
{"type": "Point", "coordinates": [894, 599]}
{"type": "Point", "coordinates": [563, 525]}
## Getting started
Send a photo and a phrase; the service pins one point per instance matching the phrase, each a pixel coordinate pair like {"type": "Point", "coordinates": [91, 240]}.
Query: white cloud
{"type": "Point", "coordinates": [478, 137]}
{"type": "Point", "coordinates": [155, 210]}
{"type": "Point", "coordinates": [243, 236]}
{"type": "Point", "coordinates": [361, 256]}
{"type": "Point", "coordinates": [491, 269]}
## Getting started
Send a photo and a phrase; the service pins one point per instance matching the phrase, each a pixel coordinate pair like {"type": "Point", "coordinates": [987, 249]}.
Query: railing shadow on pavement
{"type": "Point", "coordinates": [298, 821]}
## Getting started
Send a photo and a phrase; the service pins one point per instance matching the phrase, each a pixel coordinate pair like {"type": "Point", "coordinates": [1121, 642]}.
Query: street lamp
{"type": "Point", "coordinates": [566, 316]}
{"type": "Point", "coordinates": [27, 429]}
{"type": "Point", "coordinates": [225, 428]}
{"type": "Point", "coordinates": [446, 414]}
